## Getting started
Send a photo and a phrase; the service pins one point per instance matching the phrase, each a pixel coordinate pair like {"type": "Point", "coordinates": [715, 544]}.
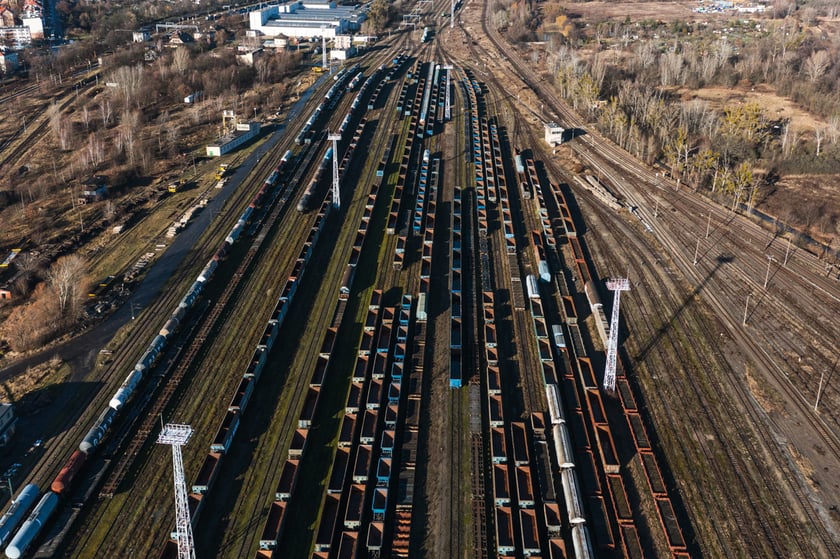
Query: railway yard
{"type": "Point", "coordinates": [413, 366]}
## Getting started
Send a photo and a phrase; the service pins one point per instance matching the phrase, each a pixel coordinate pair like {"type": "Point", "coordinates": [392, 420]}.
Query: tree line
{"type": "Point", "coordinates": [630, 80]}
{"type": "Point", "coordinates": [56, 303]}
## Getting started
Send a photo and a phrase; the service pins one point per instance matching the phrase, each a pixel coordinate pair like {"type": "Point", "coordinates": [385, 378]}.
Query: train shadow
{"type": "Point", "coordinates": [42, 414]}
{"type": "Point", "coordinates": [652, 343]}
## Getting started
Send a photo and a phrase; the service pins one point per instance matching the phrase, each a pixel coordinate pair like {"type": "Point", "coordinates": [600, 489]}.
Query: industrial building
{"type": "Point", "coordinates": [554, 133]}
{"type": "Point", "coordinates": [242, 134]}
{"type": "Point", "coordinates": [308, 19]}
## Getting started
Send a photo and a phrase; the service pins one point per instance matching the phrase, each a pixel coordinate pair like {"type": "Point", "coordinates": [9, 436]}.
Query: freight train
{"type": "Point", "coordinates": [59, 487]}
{"type": "Point", "coordinates": [303, 205]}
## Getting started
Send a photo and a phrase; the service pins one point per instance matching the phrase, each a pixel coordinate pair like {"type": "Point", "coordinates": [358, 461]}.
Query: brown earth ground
{"type": "Point", "coordinates": [810, 200]}
{"type": "Point", "coordinates": [774, 106]}
{"type": "Point", "coordinates": [639, 11]}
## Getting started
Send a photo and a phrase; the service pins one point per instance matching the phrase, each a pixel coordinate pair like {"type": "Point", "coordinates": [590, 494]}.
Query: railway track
{"type": "Point", "coordinates": [267, 163]}
{"type": "Point", "coordinates": [738, 462]}
{"type": "Point", "coordinates": [123, 364]}
{"type": "Point", "coordinates": [728, 291]}
{"type": "Point", "coordinates": [597, 151]}
{"type": "Point", "coordinates": [241, 520]}
{"type": "Point", "coordinates": [109, 512]}
{"type": "Point", "coordinates": [455, 543]}
{"type": "Point", "coordinates": [272, 450]}
{"type": "Point", "coordinates": [760, 420]}
{"type": "Point", "coordinates": [138, 334]}
{"type": "Point", "coordinates": [352, 210]}
{"type": "Point", "coordinates": [464, 449]}
{"type": "Point", "coordinates": [346, 238]}
{"type": "Point", "coordinates": [31, 134]}
{"type": "Point", "coordinates": [749, 477]}
{"type": "Point", "coordinates": [186, 360]}
{"type": "Point", "coordinates": [525, 221]}
{"type": "Point", "coordinates": [629, 168]}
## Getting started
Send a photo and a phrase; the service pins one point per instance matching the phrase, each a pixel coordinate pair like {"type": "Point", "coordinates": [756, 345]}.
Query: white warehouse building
{"type": "Point", "coordinates": [308, 19]}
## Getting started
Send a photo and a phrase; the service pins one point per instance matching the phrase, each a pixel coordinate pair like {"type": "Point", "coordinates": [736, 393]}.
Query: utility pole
{"type": "Point", "coordinates": [177, 436]}
{"type": "Point", "coordinates": [787, 251]}
{"type": "Point", "coordinates": [709, 224]}
{"type": "Point", "coordinates": [617, 285]}
{"type": "Point", "coordinates": [767, 275]}
{"type": "Point", "coordinates": [697, 251]}
{"type": "Point", "coordinates": [822, 386]}
{"type": "Point", "coordinates": [746, 307]}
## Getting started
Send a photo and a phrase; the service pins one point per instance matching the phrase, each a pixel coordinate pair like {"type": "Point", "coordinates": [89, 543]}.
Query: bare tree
{"type": "Point", "coordinates": [816, 65]}
{"type": "Point", "coordinates": [95, 150]}
{"type": "Point", "coordinates": [181, 60]}
{"type": "Point", "coordinates": [501, 19]}
{"type": "Point", "coordinates": [834, 128]}
{"type": "Point", "coordinates": [671, 68]}
{"type": "Point", "coordinates": [86, 117]}
{"type": "Point", "coordinates": [126, 136]}
{"type": "Point", "coordinates": [67, 281]}
{"type": "Point", "coordinates": [786, 143]}
{"type": "Point", "coordinates": [646, 54]}
{"type": "Point", "coordinates": [28, 263]}
{"type": "Point", "coordinates": [263, 67]}
{"type": "Point", "coordinates": [173, 135]}
{"type": "Point", "coordinates": [62, 129]}
{"type": "Point", "coordinates": [128, 80]}
{"type": "Point", "coordinates": [819, 136]}
{"type": "Point", "coordinates": [106, 111]}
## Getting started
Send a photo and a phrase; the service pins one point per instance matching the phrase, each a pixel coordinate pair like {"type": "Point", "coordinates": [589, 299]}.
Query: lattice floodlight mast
{"type": "Point", "coordinates": [618, 285]}
{"type": "Point", "coordinates": [335, 187]}
{"type": "Point", "coordinates": [177, 436]}
{"type": "Point", "coordinates": [324, 49]}
{"type": "Point", "coordinates": [447, 111]}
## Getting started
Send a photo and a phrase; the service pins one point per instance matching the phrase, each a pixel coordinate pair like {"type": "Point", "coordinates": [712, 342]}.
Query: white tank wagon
{"type": "Point", "coordinates": [563, 446]}
{"type": "Point", "coordinates": [555, 409]}
{"type": "Point", "coordinates": [533, 288]}
{"type": "Point", "coordinates": [571, 494]}
{"type": "Point", "coordinates": [545, 272]}
{"type": "Point", "coordinates": [17, 512]}
{"type": "Point", "coordinates": [97, 432]}
{"type": "Point", "coordinates": [126, 389]}
{"type": "Point", "coordinates": [207, 272]}
{"type": "Point", "coordinates": [33, 526]}
{"type": "Point", "coordinates": [581, 542]}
